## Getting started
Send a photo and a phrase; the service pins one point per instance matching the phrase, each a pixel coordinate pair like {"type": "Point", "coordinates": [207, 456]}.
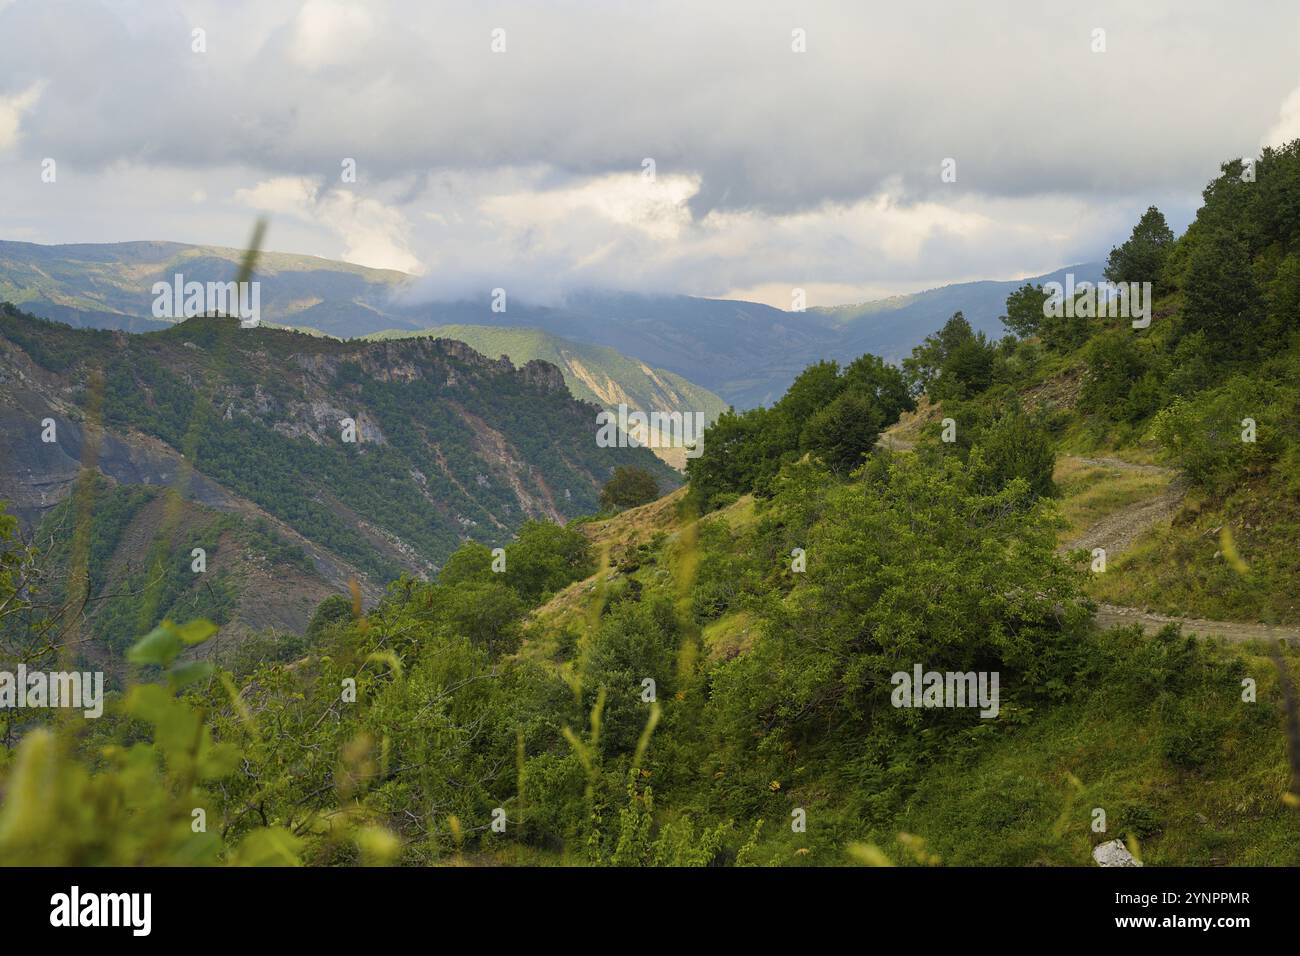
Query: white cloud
{"type": "Point", "coordinates": [540, 238]}
{"type": "Point", "coordinates": [294, 195]}
{"type": "Point", "coordinates": [373, 233]}
{"type": "Point", "coordinates": [330, 33]}
{"type": "Point", "coordinates": [523, 169]}
{"type": "Point", "coordinates": [658, 208]}
{"type": "Point", "coordinates": [12, 109]}
{"type": "Point", "coordinates": [1287, 126]}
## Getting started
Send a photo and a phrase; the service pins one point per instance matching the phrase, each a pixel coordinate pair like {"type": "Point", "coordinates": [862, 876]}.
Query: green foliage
{"type": "Point", "coordinates": [676, 844]}
{"type": "Point", "coordinates": [1024, 315]}
{"type": "Point", "coordinates": [834, 415]}
{"type": "Point", "coordinates": [147, 800]}
{"type": "Point", "coordinates": [865, 608]}
{"type": "Point", "coordinates": [629, 488]}
{"type": "Point", "coordinates": [740, 452]}
{"type": "Point", "coordinates": [1015, 447]}
{"type": "Point", "coordinates": [725, 578]}
{"type": "Point", "coordinates": [470, 562]}
{"type": "Point", "coordinates": [843, 432]}
{"type": "Point", "coordinates": [544, 558]}
{"type": "Point", "coordinates": [1121, 383]}
{"type": "Point", "coordinates": [881, 382]}
{"type": "Point", "coordinates": [1142, 258]}
{"type": "Point", "coordinates": [1205, 437]}
{"type": "Point", "coordinates": [1222, 299]}
{"type": "Point", "coordinates": [335, 609]}
{"type": "Point", "coordinates": [636, 640]}
{"type": "Point", "coordinates": [954, 363]}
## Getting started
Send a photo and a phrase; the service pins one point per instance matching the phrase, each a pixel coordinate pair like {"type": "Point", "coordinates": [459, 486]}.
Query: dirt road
{"type": "Point", "coordinates": [1109, 615]}
{"type": "Point", "coordinates": [1117, 532]}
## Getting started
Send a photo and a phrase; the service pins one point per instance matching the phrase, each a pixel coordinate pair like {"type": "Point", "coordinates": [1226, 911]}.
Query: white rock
{"type": "Point", "coordinates": [1114, 853]}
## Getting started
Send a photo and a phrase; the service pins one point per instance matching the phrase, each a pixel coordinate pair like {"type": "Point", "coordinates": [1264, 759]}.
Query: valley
{"type": "Point", "coordinates": [239, 438]}
{"type": "Point", "coordinates": [415, 570]}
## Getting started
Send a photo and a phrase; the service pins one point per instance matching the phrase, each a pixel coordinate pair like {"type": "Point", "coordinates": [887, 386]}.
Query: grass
{"type": "Point", "coordinates": [1029, 798]}
{"type": "Point", "coordinates": [730, 635]}
{"type": "Point", "coordinates": [1090, 492]}
{"type": "Point", "coordinates": [1181, 569]}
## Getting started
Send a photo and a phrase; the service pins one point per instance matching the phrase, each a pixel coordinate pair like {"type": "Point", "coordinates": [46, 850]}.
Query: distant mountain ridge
{"type": "Point", "coordinates": [593, 373]}
{"type": "Point", "coordinates": [745, 352]}
{"type": "Point", "coordinates": [109, 285]}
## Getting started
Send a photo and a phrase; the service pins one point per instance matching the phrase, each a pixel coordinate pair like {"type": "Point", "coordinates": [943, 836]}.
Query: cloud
{"type": "Point", "coordinates": [819, 169]}
{"type": "Point", "coordinates": [330, 33]}
{"type": "Point", "coordinates": [713, 91]}
{"type": "Point", "coordinates": [12, 109]}
{"type": "Point", "coordinates": [374, 234]}
{"type": "Point", "coordinates": [1287, 126]}
{"type": "Point", "coordinates": [541, 240]}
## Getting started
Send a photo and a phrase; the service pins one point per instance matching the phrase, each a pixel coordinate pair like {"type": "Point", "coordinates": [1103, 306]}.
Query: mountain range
{"type": "Point", "coordinates": [745, 352]}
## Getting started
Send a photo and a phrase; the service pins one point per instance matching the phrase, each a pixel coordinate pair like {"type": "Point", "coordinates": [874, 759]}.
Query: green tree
{"type": "Point", "coordinates": [1222, 299]}
{"type": "Point", "coordinates": [883, 383]}
{"type": "Point", "coordinates": [843, 432]}
{"type": "Point", "coordinates": [739, 450]}
{"type": "Point", "coordinates": [954, 363]}
{"type": "Point", "coordinates": [1142, 258]}
{"type": "Point", "coordinates": [544, 558]}
{"type": "Point", "coordinates": [331, 611]}
{"type": "Point", "coordinates": [471, 562]}
{"type": "Point", "coordinates": [1024, 314]}
{"type": "Point", "coordinates": [628, 488]}
{"type": "Point", "coordinates": [637, 640]}
{"type": "Point", "coordinates": [1115, 367]}
{"type": "Point", "coordinates": [1015, 446]}
{"type": "Point", "coordinates": [488, 614]}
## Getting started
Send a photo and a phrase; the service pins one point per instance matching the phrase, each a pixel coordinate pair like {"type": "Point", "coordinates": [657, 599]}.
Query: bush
{"type": "Point", "coordinates": [629, 488]}
{"type": "Point", "coordinates": [1205, 434]}
{"type": "Point", "coordinates": [843, 432]}
{"type": "Point", "coordinates": [1015, 446]}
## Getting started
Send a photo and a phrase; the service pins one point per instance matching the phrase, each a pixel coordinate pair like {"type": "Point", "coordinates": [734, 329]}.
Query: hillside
{"type": "Point", "coordinates": [250, 426]}
{"type": "Point", "coordinates": [593, 374]}
{"type": "Point", "coordinates": [1102, 514]}
{"type": "Point", "coordinates": [910, 614]}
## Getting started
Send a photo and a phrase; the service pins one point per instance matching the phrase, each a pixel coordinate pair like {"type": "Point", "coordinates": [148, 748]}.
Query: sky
{"type": "Point", "coordinates": [734, 148]}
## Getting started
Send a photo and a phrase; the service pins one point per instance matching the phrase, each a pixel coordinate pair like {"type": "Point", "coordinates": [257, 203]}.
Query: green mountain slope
{"type": "Point", "coordinates": [593, 373]}
{"type": "Point", "coordinates": [375, 458]}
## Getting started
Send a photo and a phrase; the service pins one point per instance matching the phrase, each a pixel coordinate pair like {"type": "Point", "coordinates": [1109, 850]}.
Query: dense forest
{"type": "Point", "coordinates": [706, 679]}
